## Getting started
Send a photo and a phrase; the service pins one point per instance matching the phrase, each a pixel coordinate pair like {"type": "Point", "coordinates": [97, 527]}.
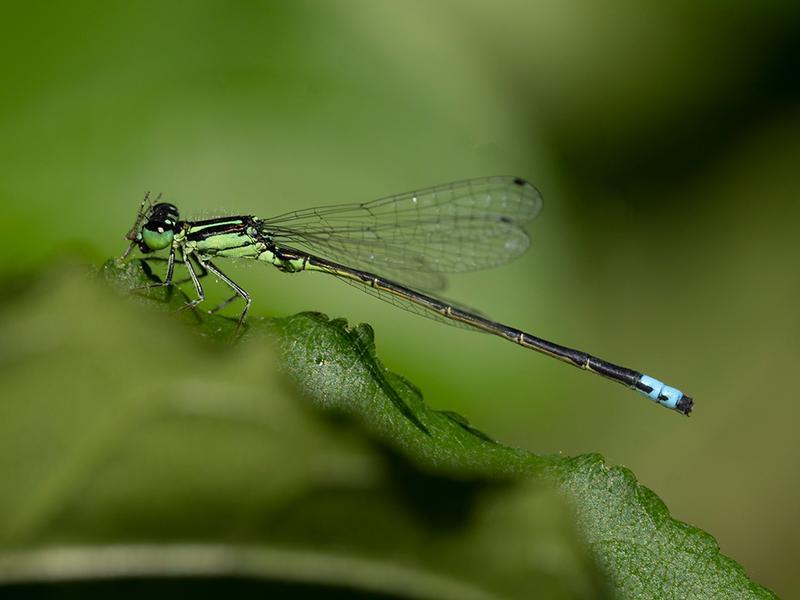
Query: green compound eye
{"type": "Point", "coordinates": [157, 235]}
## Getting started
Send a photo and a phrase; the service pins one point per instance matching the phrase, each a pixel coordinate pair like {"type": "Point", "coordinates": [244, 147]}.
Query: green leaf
{"type": "Point", "coordinates": [133, 446]}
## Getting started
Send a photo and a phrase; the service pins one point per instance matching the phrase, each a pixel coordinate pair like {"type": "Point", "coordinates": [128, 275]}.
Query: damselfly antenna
{"type": "Point", "coordinates": [134, 235]}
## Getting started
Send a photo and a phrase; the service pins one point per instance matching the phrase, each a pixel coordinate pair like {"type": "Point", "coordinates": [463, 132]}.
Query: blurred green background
{"type": "Point", "coordinates": [664, 137]}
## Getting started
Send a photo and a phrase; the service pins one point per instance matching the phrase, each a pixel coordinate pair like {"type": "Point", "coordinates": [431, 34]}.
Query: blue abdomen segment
{"type": "Point", "coordinates": [666, 396]}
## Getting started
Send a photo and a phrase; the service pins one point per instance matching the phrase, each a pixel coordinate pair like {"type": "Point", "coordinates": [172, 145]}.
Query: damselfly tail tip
{"type": "Point", "coordinates": [684, 405]}
{"type": "Point", "coordinates": [666, 396]}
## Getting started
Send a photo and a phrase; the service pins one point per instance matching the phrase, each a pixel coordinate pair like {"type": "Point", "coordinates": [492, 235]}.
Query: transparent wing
{"type": "Point", "coordinates": [414, 308]}
{"type": "Point", "coordinates": [417, 237]}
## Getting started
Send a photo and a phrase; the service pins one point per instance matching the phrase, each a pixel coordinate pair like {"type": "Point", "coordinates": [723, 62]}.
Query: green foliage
{"type": "Point", "coordinates": [292, 456]}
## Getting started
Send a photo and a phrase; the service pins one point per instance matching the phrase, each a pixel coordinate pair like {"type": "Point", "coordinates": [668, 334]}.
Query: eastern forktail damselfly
{"type": "Point", "coordinates": [399, 248]}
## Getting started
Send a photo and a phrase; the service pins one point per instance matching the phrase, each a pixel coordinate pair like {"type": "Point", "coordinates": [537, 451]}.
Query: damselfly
{"type": "Point", "coordinates": [399, 248]}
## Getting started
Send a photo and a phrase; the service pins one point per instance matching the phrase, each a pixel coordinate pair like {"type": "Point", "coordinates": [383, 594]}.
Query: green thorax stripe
{"type": "Point", "coordinates": [232, 237]}
{"type": "Point", "coordinates": [198, 230]}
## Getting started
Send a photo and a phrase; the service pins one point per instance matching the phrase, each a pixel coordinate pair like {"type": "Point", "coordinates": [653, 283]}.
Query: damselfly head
{"type": "Point", "coordinates": [164, 212]}
{"type": "Point", "coordinates": [154, 227]}
{"type": "Point", "coordinates": [159, 228]}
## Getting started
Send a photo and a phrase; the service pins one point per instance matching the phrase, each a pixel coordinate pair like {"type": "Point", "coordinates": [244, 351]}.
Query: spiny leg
{"type": "Point", "coordinates": [202, 270]}
{"type": "Point", "coordinates": [131, 235]}
{"type": "Point", "coordinates": [235, 287]}
{"type": "Point", "coordinates": [196, 281]}
{"type": "Point", "coordinates": [170, 270]}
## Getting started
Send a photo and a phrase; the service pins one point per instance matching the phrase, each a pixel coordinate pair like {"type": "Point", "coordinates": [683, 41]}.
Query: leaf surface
{"type": "Point", "coordinates": [133, 447]}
